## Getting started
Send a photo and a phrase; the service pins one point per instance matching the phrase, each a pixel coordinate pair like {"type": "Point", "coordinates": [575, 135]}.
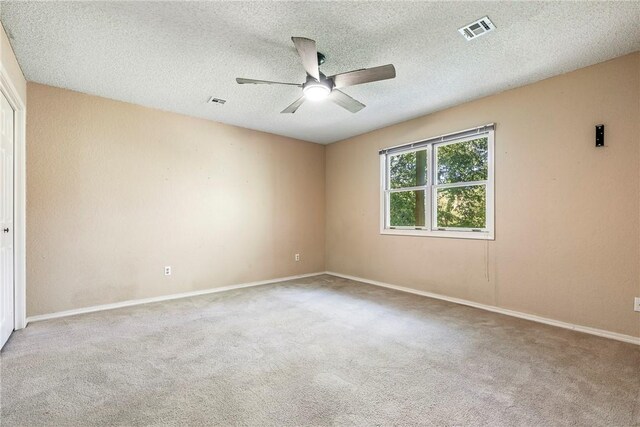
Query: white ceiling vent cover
{"type": "Point", "coordinates": [478, 28]}
{"type": "Point", "coordinates": [213, 100]}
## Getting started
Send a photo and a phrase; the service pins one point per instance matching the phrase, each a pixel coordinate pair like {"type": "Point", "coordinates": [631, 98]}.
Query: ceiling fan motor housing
{"type": "Point", "coordinates": [323, 81]}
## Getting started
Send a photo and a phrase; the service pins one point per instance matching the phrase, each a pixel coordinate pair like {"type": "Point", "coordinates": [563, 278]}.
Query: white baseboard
{"type": "Point", "coordinates": [513, 313]}
{"type": "Point", "coordinates": [129, 303]}
{"type": "Point", "coordinates": [532, 317]}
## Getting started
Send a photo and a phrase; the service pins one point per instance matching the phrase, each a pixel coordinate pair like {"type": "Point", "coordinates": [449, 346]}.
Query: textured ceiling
{"type": "Point", "coordinates": [174, 55]}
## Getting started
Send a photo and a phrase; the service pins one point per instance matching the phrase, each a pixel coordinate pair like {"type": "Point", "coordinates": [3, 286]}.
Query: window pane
{"type": "Point", "coordinates": [463, 162]}
{"type": "Point", "coordinates": [463, 207]}
{"type": "Point", "coordinates": [408, 169]}
{"type": "Point", "coordinates": [406, 208]}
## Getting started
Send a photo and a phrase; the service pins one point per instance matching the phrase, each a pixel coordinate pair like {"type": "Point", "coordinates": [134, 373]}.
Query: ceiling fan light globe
{"type": "Point", "coordinates": [316, 92]}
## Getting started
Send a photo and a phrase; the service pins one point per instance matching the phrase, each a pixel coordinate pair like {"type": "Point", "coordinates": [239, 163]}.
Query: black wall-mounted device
{"type": "Point", "coordinates": [599, 135]}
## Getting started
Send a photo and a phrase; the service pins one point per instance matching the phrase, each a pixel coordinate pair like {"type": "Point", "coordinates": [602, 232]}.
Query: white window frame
{"type": "Point", "coordinates": [430, 189]}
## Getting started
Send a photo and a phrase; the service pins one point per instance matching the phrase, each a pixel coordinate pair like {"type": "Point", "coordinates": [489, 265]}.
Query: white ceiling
{"type": "Point", "coordinates": [174, 55]}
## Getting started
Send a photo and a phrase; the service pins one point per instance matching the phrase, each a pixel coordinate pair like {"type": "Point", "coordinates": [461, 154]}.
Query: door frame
{"type": "Point", "coordinates": [19, 106]}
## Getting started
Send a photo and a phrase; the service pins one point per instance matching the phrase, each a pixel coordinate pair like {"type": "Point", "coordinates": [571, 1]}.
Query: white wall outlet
{"type": "Point", "coordinates": [167, 270]}
{"type": "Point", "coordinates": [636, 303]}
{"type": "Point", "coordinates": [297, 257]}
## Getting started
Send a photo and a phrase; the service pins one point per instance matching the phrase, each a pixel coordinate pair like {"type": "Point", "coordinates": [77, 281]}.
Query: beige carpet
{"type": "Point", "coordinates": [316, 351]}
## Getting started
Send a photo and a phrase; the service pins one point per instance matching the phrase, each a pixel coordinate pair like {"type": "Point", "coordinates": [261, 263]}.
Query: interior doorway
{"type": "Point", "coordinates": [7, 288]}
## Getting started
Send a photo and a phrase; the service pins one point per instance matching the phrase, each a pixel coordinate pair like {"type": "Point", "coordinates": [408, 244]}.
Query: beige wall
{"type": "Point", "coordinates": [567, 241]}
{"type": "Point", "coordinates": [116, 191]}
{"type": "Point", "coordinates": [10, 64]}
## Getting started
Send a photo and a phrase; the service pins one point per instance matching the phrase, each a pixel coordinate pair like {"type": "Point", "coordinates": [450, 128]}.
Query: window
{"type": "Point", "coordinates": [440, 187]}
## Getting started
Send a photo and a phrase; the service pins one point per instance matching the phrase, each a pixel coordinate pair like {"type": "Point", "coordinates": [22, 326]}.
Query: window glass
{"type": "Point", "coordinates": [406, 208]}
{"type": "Point", "coordinates": [462, 207]}
{"type": "Point", "coordinates": [408, 169]}
{"type": "Point", "coordinates": [463, 161]}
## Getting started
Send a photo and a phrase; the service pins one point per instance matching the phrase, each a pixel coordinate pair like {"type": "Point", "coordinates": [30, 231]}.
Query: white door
{"type": "Point", "coordinates": [6, 221]}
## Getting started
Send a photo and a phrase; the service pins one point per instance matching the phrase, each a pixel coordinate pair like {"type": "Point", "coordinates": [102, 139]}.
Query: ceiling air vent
{"type": "Point", "coordinates": [478, 28]}
{"type": "Point", "coordinates": [213, 100]}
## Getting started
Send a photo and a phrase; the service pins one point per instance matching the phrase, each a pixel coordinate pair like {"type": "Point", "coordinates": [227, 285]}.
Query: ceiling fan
{"type": "Point", "coordinates": [318, 86]}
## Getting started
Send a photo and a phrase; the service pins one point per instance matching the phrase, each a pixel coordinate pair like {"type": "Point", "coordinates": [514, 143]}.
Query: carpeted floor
{"type": "Point", "coordinates": [316, 351]}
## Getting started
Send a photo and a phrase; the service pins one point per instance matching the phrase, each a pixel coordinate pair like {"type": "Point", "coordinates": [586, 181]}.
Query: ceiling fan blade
{"type": "Point", "coordinates": [309, 54]}
{"type": "Point", "coordinates": [366, 75]}
{"type": "Point", "coordinates": [263, 82]}
{"type": "Point", "coordinates": [294, 106]}
{"type": "Point", "coordinates": [345, 101]}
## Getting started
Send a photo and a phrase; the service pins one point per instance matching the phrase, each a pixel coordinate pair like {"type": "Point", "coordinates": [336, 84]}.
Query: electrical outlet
{"type": "Point", "coordinates": [167, 270]}
{"type": "Point", "coordinates": [636, 303]}
{"type": "Point", "coordinates": [297, 257]}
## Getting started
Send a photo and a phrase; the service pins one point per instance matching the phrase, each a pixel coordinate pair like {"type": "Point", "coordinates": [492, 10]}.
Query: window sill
{"type": "Point", "coordinates": [473, 235]}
